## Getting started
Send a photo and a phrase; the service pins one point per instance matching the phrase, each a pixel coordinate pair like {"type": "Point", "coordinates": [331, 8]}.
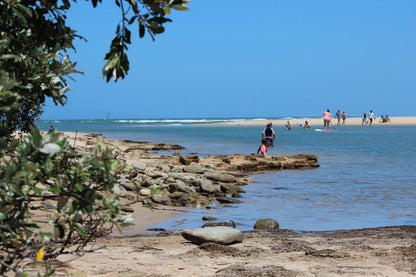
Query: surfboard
{"type": "Point", "coordinates": [327, 131]}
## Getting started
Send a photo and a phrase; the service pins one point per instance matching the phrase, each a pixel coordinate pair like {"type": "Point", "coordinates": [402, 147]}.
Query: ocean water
{"type": "Point", "coordinates": [366, 178]}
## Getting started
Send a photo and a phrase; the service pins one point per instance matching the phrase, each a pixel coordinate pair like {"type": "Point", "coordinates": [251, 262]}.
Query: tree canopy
{"type": "Point", "coordinates": [34, 44]}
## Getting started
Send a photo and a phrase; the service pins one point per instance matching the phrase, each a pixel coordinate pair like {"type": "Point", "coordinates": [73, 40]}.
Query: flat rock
{"type": "Point", "coordinates": [219, 235]}
{"type": "Point", "coordinates": [228, 200]}
{"type": "Point", "coordinates": [226, 178]}
{"type": "Point", "coordinates": [226, 223]}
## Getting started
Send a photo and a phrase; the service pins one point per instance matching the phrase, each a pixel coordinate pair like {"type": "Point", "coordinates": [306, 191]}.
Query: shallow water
{"type": "Point", "coordinates": [367, 175]}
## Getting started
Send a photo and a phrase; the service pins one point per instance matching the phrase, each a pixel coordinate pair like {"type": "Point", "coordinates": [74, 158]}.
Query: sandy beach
{"type": "Point", "coordinates": [318, 122]}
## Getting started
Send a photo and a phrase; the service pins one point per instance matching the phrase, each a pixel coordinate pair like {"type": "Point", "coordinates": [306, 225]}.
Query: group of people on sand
{"type": "Point", "coordinates": [368, 119]}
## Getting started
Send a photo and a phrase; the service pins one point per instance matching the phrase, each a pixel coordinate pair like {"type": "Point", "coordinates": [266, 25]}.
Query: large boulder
{"type": "Point", "coordinates": [207, 186]}
{"type": "Point", "coordinates": [219, 235]}
{"type": "Point", "coordinates": [266, 224]}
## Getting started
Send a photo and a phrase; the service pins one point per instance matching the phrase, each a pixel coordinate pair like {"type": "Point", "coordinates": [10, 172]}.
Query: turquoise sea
{"type": "Point", "coordinates": [367, 176]}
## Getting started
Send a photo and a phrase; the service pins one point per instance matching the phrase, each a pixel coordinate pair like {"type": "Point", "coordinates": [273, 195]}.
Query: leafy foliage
{"type": "Point", "coordinates": [34, 40]}
{"type": "Point", "coordinates": [48, 169]}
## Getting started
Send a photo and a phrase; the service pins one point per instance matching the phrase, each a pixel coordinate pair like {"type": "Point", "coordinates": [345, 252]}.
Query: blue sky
{"type": "Point", "coordinates": [239, 58]}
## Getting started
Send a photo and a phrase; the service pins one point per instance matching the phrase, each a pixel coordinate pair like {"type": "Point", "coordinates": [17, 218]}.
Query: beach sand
{"type": "Point", "coordinates": [318, 122]}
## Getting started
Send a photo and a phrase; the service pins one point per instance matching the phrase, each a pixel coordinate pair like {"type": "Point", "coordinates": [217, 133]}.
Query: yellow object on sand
{"type": "Point", "coordinates": [40, 254]}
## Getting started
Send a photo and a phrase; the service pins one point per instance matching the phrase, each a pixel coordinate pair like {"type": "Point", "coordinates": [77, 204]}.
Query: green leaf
{"type": "Point", "coordinates": [78, 187]}
{"type": "Point", "coordinates": [80, 230]}
{"type": "Point", "coordinates": [181, 7]}
{"type": "Point", "coordinates": [36, 136]}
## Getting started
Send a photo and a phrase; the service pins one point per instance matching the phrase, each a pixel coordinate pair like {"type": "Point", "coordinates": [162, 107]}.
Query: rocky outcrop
{"type": "Point", "coordinates": [178, 180]}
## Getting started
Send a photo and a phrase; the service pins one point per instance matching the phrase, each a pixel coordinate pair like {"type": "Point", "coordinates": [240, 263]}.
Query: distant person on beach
{"type": "Point", "coordinates": [364, 122]}
{"type": "Point", "coordinates": [343, 116]}
{"type": "Point", "coordinates": [306, 125]}
{"type": "Point", "coordinates": [288, 125]}
{"type": "Point", "coordinates": [338, 116]}
{"type": "Point", "coordinates": [263, 147]}
{"type": "Point", "coordinates": [382, 119]}
{"type": "Point", "coordinates": [268, 134]}
{"type": "Point", "coordinates": [371, 116]}
{"type": "Point", "coordinates": [327, 120]}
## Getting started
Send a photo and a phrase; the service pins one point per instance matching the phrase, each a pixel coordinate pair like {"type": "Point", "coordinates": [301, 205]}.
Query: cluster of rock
{"type": "Point", "coordinates": [177, 180]}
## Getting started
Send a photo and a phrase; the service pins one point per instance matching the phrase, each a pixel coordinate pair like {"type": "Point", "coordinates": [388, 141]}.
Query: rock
{"type": "Point", "coordinates": [48, 205]}
{"type": "Point", "coordinates": [226, 223]}
{"type": "Point", "coordinates": [206, 186]}
{"type": "Point", "coordinates": [231, 188]}
{"type": "Point", "coordinates": [180, 186]}
{"type": "Point", "coordinates": [228, 200]}
{"type": "Point", "coordinates": [188, 159]}
{"type": "Point", "coordinates": [268, 224]}
{"type": "Point", "coordinates": [156, 175]}
{"type": "Point", "coordinates": [139, 166]}
{"type": "Point", "coordinates": [162, 197]}
{"type": "Point", "coordinates": [132, 174]}
{"type": "Point", "coordinates": [116, 189]}
{"type": "Point", "coordinates": [165, 168]}
{"type": "Point", "coordinates": [127, 209]}
{"type": "Point", "coordinates": [145, 192]}
{"type": "Point", "coordinates": [129, 186]}
{"type": "Point", "coordinates": [226, 178]}
{"type": "Point", "coordinates": [180, 199]}
{"type": "Point", "coordinates": [208, 218]}
{"type": "Point", "coordinates": [122, 180]}
{"type": "Point", "coordinates": [194, 167]}
{"type": "Point", "coordinates": [219, 235]}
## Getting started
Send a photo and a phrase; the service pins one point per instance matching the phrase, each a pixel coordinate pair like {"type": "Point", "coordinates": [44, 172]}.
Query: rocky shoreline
{"type": "Point", "coordinates": [185, 181]}
{"type": "Point", "coordinates": [176, 181]}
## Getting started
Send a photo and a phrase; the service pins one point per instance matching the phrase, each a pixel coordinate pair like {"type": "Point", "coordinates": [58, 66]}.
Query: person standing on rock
{"type": "Point", "coordinates": [268, 134]}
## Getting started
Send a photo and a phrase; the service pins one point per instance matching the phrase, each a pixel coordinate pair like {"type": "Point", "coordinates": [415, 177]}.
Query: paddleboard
{"type": "Point", "coordinates": [327, 131]}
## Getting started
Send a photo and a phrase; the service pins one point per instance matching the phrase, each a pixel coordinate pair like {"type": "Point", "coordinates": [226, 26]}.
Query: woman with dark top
{"type": "Point", "coordinates": [268, 134]}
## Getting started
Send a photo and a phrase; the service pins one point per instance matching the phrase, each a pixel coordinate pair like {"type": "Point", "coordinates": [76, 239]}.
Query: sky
{"type": "Point", "coordinates": [240, 58]}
